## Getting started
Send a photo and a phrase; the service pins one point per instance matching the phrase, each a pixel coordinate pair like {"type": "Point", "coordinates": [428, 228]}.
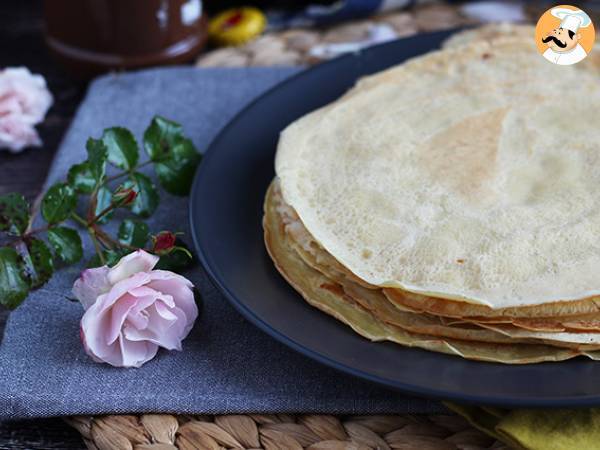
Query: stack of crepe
{"type": "Point", "coordinates": [451, 203]}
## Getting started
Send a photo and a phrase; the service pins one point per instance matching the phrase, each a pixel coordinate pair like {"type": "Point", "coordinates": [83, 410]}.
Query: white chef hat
{"type": "Point", "coordinates": [571, 19]}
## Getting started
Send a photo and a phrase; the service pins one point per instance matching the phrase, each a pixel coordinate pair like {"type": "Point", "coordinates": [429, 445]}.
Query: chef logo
{"type": "Point", "coordinates": [565, 35]}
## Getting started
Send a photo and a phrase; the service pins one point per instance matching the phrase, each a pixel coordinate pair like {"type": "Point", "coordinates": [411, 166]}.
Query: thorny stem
{"type": "Point", "coordinates": [34, 210]}
{"type": "Point", "coordinates": [80, 220]}
{"type": "Point", "coordinates": [92, 233]}
{"type": "Point", "coordinates": [93, 203]}
{"type": "Point", "coordinates": [109, 240]}
{"type": "Point", "coordinates": [104, 212]}
{"type": "Point", "coordinates": [96, 233]}
{"type": "Point", "coordinates": [37, 230]}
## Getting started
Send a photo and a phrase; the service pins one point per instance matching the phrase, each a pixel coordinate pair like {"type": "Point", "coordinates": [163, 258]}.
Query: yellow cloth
{"type": "Point", "coordinates": [537, 429]}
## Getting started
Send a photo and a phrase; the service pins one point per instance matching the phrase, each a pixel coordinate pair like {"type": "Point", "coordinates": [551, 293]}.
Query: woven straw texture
{"type": "Point", "coordinates": [281, 432]}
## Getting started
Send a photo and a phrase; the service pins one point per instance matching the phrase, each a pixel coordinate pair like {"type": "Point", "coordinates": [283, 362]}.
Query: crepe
{"type": "Point", "coordinates": [565, 331]}
{"type": "Point", "coordinates": [458, 176]}
{"type": "Point", "coordinates": [490, 33]}
{"type": "Point", "coordinates": [577, 316]}
{"type": "Point", "coordinates": [323, 293]}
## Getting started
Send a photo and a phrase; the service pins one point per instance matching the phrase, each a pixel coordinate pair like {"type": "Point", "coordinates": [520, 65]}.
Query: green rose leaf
{"type": "Point", "coordinates": [146, 200]}
{"type": "Point", "coordinates": [81, 179]}
{"type": "Point", "coordinates": [177, 260]}
{"type": "Point", "coordinates": [122, 147]}
{"type": "Point", "coordinates": [14, 213]}
{"type": "Point", "coordinates": [13, 287]}
{"type": "Point", "coordinates": [58, 203]}
{"type": "Point", "coordinates": [103, 201]}
{"type": "Point", "coordinates": [66, 243]}
{"type": "Point", "coordinates": [97, 155]}
{"type": "Point", "coordinates": [177, 172]}
{"type": "Point", "coordinates": [134, 233]}
{"type": "Point", "coordinates": [95, 261]}
{"type": "Point", "coordinates": [38, 263]}
{"type": "Point", "coordinates": [160, 137]}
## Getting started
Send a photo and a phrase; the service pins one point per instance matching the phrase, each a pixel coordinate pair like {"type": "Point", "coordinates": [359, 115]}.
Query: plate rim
{"type": "Point", "coordinates": [406, 388]}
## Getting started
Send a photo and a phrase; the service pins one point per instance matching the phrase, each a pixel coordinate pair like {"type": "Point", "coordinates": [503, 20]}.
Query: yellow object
{"type": "Point", "coordinates": [536, 429]}
{"type": "Point", "coordinates": [236, 26]}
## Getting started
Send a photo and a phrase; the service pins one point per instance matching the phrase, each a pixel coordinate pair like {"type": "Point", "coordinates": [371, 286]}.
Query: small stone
{"type": "Point", "coordinates": [352, 32]}
{"type": "Point", "coordinates": [437, 17]}
{"type": "Point", "coordinates": [267, 42]}
{"type": "Point", "coordinates": [301, 40]}
{"type": "Point", "coordinates": [282, 58]}
{"type": "Point", "coordinates": [226, 57]}
{"type": "Point", "coordinates": [403, 23]}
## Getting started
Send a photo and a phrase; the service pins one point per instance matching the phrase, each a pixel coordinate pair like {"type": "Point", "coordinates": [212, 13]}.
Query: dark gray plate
{"type": "Point", "coordinates": [226, 213]}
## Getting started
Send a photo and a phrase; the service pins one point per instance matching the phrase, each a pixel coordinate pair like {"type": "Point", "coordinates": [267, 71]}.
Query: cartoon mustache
{"type": "Point", "coordinates": [556, 41]}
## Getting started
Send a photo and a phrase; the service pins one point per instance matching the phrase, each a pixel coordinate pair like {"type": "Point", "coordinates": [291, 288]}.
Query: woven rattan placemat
{"type": "Point", "coordinates": [281, 432]}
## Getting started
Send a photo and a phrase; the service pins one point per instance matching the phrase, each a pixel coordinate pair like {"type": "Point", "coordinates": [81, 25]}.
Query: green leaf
{"type": "Point", "coordinates": [66, 243]}
{"type": "Point", "coordinates": [103, 201]}
{"type": "Point", "coordinates": [177, 260]}
{"type": "Point", "coordinates": [122, 147]}
{"type": "Point", "coordinates": [176, 173]}
{"type": "Point", "coordinates": [13, 287]}
{"type": "Point", "coordinates": [147, 196]}
{"type": "Point", "coordinates": [95, 261]}
{"type": "Point", "coordinates": [97, 155]}
{"type": "Point", "coordinates": [160, 136]}
{"type": "Point", "coordinates": [134, 233]}
{"type": "Point", "coordinates": [37, 261]}
{"type": "Point", "coordinates": [58, 203]}
{"type": "Point", "coordinates": [14, 213]}
{"type": "Point", "coordinates": [81, 179]}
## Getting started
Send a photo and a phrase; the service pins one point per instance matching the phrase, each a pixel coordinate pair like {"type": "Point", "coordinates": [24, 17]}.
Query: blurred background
{"type": "Point", "coordinates": [70, 41]}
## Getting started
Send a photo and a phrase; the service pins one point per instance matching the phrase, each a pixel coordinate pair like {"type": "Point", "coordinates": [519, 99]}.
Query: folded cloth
{"type": "Point", "coordinates": [535, 429]}
{"type": "Point", "coordinates": [227, 365]}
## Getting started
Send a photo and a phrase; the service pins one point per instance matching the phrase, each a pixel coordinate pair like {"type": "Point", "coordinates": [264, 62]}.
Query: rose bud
{"type": "Point", "coordinates": [164, 242]}
{"type": "Point", "coordinates": [124, 196]}
{"type": "Point", "coordinates": [132, 310]}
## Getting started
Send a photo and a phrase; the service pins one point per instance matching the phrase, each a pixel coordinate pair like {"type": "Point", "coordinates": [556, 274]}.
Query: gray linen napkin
{"type": "Point", "coordinates": [227, 365]}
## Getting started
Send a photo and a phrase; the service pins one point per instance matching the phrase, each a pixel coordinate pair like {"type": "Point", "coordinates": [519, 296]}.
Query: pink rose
{"type": "Point", "coordinates": [24, 101]}
{"type": "Point", "coordinates": [131, 310]}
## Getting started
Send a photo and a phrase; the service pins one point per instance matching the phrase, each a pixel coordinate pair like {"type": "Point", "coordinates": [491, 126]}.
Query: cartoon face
{"type": "Point", "coordinates": [561, 40]}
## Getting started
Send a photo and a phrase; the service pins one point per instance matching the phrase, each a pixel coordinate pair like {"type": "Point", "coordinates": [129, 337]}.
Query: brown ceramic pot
{"type": "Point", "coordinates": [93, 36]}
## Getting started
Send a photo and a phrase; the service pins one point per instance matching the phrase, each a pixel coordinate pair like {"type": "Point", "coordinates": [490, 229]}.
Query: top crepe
{"type": "Point", "coordinates": [471, 173]}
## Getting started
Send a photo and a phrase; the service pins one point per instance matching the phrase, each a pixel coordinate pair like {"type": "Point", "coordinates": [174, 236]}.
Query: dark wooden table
{"type": "Point", "coordinates": [21, 34]}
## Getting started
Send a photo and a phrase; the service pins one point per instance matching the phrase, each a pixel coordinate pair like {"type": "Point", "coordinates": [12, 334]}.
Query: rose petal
{"type": "Point", "coordinates": [123, 287]}
{"type": "Point", "coordinates": [17, 134]}
{"type": "Point", "coordinates": [137, 319]}
{"type": "Point", "coordinates": [163, 311]}
{"type": "Point", "coordinates": [90, 285]}
{"type": "Point", "coordinates": [139, 261]}
{"type": "Point", "coordinates": [180, 289]}
{"type": "Point", "coordinates": [167, 334]}
{"type": "Point", "coordinates": [94, 324]}
{"type": "Point", "coordinates": [135, 354]}
{"type": "Point", "coordinates": [118, 314]}
{"type": "Point", "coordinates": [18, 84]}
{"type": "Point", "coordinates": [138, 316]}
{"type": "Point", "coordinates": [142, 291]}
